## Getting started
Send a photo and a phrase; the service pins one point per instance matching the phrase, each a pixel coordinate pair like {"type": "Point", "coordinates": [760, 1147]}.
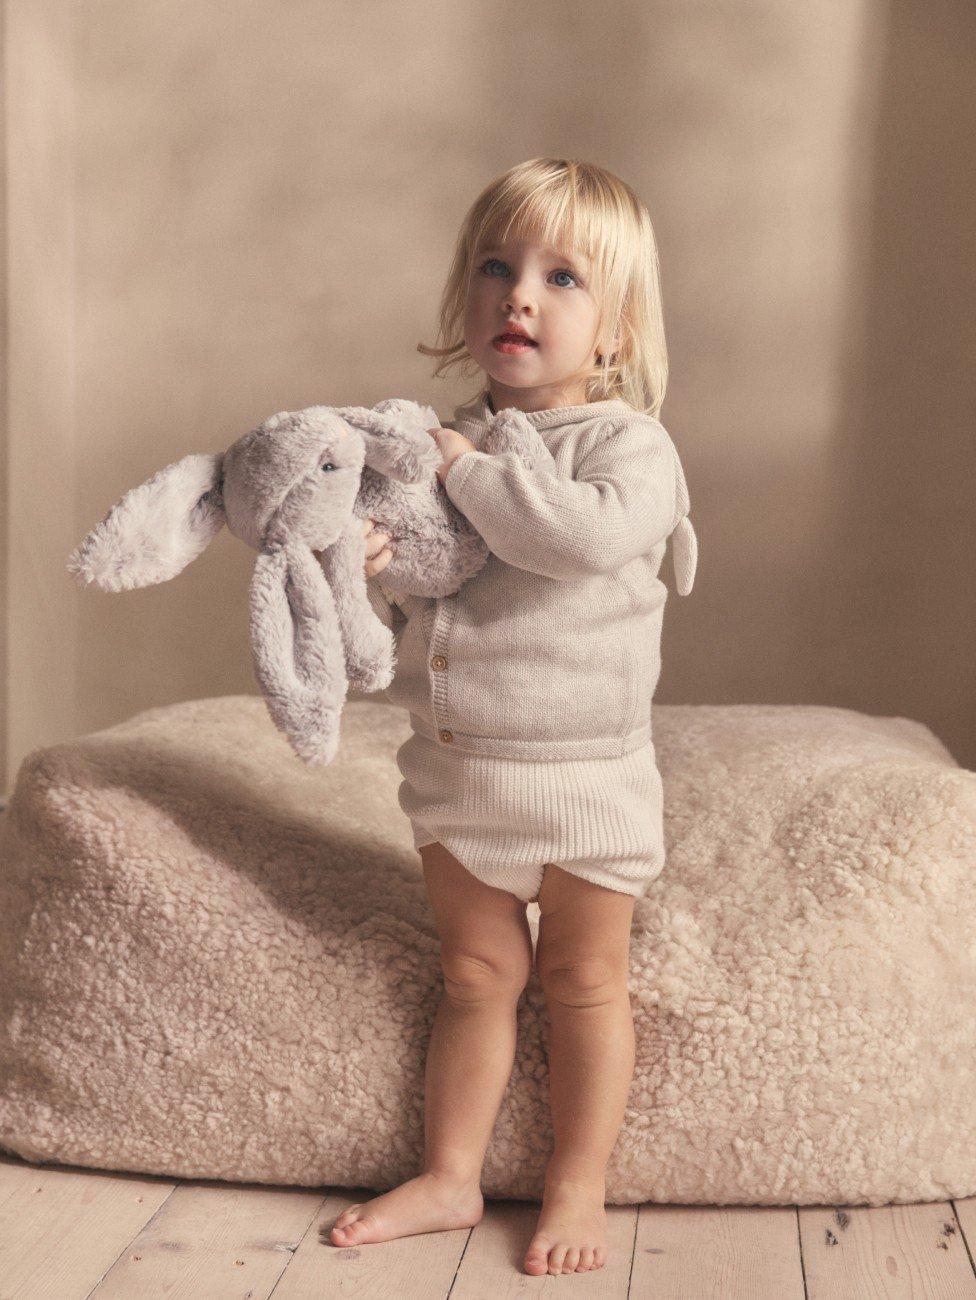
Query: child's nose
{"type": "Point", "coordinates": [516, 299]}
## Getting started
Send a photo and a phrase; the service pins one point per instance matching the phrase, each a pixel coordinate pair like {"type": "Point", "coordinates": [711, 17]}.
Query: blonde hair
{"type": "Point", "coordinates": [576, 206]}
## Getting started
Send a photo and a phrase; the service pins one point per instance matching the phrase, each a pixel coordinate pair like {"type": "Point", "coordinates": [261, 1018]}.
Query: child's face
{"type": "Point", "coordinates": [545, 291]}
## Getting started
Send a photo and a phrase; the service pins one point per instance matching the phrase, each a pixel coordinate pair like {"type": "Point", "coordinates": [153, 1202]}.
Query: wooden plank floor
{"type": "Point", "coordinates": [70, 1233]}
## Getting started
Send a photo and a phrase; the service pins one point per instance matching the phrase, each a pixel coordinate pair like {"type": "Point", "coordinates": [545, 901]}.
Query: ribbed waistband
{"type": "Point", "coordinates": [554, 750]}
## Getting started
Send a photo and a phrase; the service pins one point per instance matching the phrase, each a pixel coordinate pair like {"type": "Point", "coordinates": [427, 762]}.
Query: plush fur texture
{"type": "Point", "coordinates": [215, 963]}
{"type": "Point", "coordinates": [437, 548]}
{"type": "Point", "coordinates": [299, 483]}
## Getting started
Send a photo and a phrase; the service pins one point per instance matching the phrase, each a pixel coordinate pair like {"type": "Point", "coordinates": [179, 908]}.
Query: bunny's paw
{"type": "Point", "coordinates": [373, 667]}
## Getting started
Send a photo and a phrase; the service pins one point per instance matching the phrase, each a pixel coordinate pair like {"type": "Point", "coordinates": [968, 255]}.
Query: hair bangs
{"type": "Point", "coordinates": [549, 214]}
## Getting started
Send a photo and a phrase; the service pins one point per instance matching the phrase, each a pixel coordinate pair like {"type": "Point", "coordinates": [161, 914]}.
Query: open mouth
{"type": "Point", "coordinates": [513, 343]}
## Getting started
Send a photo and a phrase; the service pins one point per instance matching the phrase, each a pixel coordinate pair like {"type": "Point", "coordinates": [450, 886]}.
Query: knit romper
{"type": "Point", "coordinates": [505, 819]}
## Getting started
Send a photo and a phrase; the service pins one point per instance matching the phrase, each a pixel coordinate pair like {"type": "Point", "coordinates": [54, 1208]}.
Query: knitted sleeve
{"type": "Point", "coordinates": [622, 503]}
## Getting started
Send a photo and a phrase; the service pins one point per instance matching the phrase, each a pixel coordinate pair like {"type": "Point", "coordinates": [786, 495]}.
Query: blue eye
{"type": "Point", "coordinates": [327, 465]}
{"type": "Point", "coordinates": [485, 269]}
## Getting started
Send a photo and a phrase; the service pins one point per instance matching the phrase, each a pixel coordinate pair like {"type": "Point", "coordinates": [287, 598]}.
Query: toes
{"type": "Point", "coordinates": [354, 1232]}
{"type": "Point", "coordinates": [345, 1221]}
{"type": "Point", "coordinates": [361, 1230]}
{"type": "Point", "coordinates": [556, 1257]}
{"type": "Point", "coordinates": [546, 1256]}
{"type": "Point", "coordinates": [537, 1256]}
{"type": "Point", "coordinates": [366, 1228]}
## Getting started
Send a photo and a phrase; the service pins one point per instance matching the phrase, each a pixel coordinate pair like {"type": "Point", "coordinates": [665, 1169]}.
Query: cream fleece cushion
{"type": "Point", "coordinates": [218, 963]}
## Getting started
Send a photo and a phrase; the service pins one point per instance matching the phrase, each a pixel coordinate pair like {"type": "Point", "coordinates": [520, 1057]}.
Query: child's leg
{"type": "Point", "coordinates": [486, 959]}
{"type": "Point", "coordinates": [583, 959]}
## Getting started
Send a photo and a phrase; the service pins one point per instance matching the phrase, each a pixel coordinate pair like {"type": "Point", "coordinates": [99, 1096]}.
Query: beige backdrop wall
{"type": "Point", "coordinates": [217, 212]}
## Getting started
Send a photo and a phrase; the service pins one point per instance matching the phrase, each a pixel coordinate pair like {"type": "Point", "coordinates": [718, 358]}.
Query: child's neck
{"type": "Point", "coordinates": [500, 398]}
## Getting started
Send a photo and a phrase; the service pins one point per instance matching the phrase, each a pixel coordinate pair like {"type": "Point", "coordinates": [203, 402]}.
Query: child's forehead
{"type": "Point", "coordinates": [528, 245]}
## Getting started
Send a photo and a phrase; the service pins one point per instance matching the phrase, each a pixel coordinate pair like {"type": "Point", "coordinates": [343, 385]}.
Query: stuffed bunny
{"type": "Point", "coordinates": [299, 483]}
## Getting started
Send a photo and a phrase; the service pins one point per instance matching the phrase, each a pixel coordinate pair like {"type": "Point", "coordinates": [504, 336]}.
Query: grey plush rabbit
{"type": "Point", "coordinates": [301, 483]}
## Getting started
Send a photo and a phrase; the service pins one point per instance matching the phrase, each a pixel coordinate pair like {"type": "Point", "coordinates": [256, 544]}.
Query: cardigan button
{"type": "Point", "coordinates": [446, 735]}
{"type": "Point", "coordinates": [438, 661]}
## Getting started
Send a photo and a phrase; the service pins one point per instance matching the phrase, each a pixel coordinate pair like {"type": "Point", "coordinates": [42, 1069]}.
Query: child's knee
{"type": "Point", "coordinates": [582, 980]}
{"type": "Point", "coordinates": [474, 975]}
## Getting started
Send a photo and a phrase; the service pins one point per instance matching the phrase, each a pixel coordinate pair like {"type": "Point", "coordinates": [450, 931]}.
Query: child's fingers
{"type": "Point", "coordinates": [378, 562]}
{"type": "Point", "coordinates": [369, 525]}
{"type": "Point", "coordinates": [375, 543]}
{"type": "Point", "coordinates": [378, 553]}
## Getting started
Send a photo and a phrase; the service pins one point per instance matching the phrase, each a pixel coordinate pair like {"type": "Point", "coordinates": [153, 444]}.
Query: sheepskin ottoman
{"type": "Point", "coordinates": [218, 963]}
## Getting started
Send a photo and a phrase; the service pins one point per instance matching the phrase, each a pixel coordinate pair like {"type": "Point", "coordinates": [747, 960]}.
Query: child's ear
{"type": "Point", "coordinates": [614, 348]}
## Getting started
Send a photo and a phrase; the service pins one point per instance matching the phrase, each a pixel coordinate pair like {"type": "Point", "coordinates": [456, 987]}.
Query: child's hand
{"type": "Point", "coordinates": [378, 555]}
{"type": "Point", "coordinates": [451, 444]}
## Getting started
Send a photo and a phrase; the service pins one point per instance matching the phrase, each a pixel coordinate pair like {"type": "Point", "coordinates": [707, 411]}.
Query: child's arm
{"type": "Point", "coordinates": [621, 504]}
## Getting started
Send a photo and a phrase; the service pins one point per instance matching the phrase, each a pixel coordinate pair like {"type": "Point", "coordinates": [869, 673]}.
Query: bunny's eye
{"type": "Point", "coordinates": [328, 465]}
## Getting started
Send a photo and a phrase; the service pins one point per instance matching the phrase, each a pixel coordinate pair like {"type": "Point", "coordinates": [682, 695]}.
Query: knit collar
{"type": "Point", "coordinates": [476, 416]}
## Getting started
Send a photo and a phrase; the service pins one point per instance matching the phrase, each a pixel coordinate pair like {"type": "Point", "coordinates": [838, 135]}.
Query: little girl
{"type": "Point", "coordinates": [530, 772]}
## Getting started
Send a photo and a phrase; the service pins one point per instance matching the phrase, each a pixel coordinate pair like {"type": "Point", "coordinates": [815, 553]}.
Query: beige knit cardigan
{"type": "Point", "coordinates": [552, 650]}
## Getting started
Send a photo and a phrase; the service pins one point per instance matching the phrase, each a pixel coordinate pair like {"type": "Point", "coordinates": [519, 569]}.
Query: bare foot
{"type": "Point", "coordinates": [571, 1235]}
{"type": "Point", "coordinates": [427, 1203]}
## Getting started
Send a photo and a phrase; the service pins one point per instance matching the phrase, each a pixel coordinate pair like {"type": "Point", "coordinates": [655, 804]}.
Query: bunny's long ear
{"type": "Point", "coordinates": [157, 528]}
{"type": "Point", "coordinates": [297, 651]}
{"type": "Point", "coordinates": [397, 442]}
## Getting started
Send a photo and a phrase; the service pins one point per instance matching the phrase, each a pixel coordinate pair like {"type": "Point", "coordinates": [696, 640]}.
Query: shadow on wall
{"type": "Point", "coordinates": [904, 501]}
